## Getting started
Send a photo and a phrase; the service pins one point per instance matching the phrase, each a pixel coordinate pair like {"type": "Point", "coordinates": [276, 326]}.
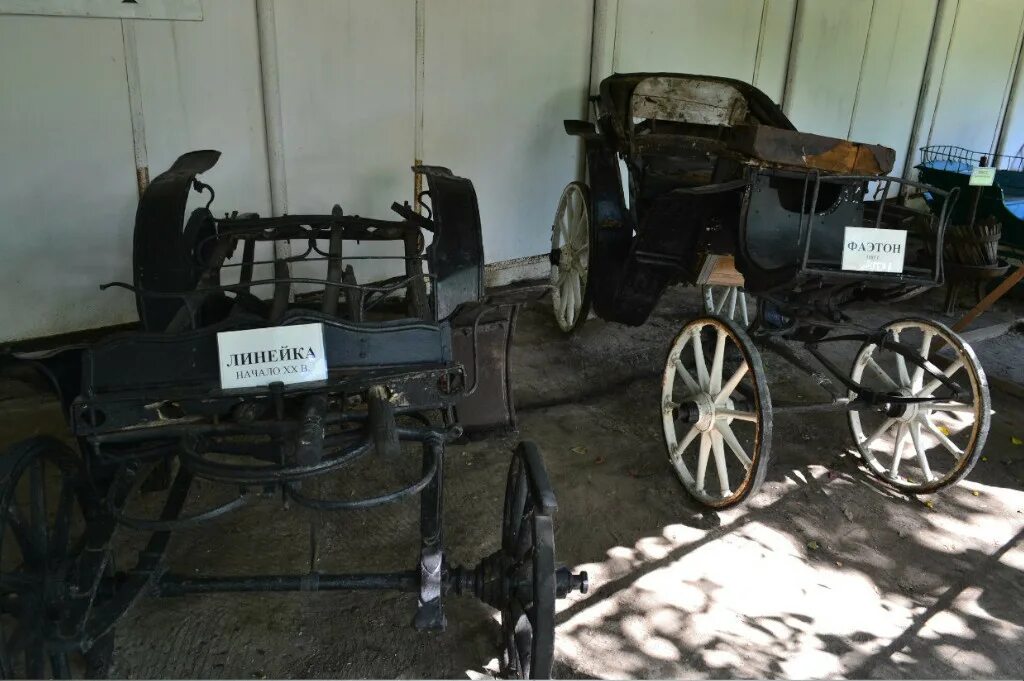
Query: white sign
{"type": "Point", "coordinates": [866, 249]}
{"type": "Point", "coordinates": [259, 357]}
{"type": "Point", "coordinates": [982, 177]}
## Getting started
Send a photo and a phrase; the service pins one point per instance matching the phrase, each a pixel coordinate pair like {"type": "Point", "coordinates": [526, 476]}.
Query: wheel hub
{"type": "Point", "coordinates": [702, 411]}
{"type": "Point", "coordinates": [903, 412]}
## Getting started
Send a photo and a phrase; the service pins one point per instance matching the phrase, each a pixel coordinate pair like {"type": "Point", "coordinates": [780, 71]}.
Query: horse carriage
{"type": "Point", "coordinates": [704, 181]}
{"type": "Point", "coordinates": [269, 396]}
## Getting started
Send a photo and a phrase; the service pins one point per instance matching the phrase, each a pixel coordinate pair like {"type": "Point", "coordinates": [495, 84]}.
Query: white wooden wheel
{"type": "Point", "coordinates": [715, 409]}
{"type": "Point", "coordinates": [731, 302]}
{"type": "Point", "coordinates": [920, 447]}
{"type": "Point", "coordinates": [570, 257]}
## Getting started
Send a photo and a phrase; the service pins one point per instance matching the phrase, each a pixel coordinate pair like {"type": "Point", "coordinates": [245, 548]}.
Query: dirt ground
{"type": "Point", "coordinates": [824, 573]}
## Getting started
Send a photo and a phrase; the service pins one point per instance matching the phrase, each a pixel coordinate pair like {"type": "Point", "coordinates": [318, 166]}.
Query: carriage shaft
{"type": "Point", "coordinates": [179, 585]}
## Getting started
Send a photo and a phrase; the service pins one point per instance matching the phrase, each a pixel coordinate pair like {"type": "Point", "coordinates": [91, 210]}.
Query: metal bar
{"type": "Point", "coordinates": [131, 69]}
{"type": "Point", "coordinates": [329, 305]}
{"type": "Point", "coordinates": [266, 35]}
{"type": "Point", "coordinates": [419, 81]}
{"type": "Point", "coordinates": [230, 225]}
{"type": "Point", "coordinates": [179, 585]}
{"type": "Point", "coordinates": [840, 404]}
{"type": "Point", "coordinates": [282, 291]}
{"type": "Point", "coordinates": [810, 218]}
{"type": "Point", "coordinates": [881, 204]}
{"type": "Point", "coordinates": [248, 261]}
{"type": "Point", "coordinates": [417, 289]}
{"type": "Point", "coordinates": [429, 612]}
{"type": "Point", "coordinates": [786, 352]}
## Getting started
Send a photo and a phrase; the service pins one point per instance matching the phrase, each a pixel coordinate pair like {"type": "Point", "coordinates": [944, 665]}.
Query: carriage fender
{"type": "Point", "coordinates": [537, 477]}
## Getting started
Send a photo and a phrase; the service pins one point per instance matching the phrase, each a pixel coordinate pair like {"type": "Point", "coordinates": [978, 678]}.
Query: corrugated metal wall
{"type": "Point", "coordinates": [367, 86]}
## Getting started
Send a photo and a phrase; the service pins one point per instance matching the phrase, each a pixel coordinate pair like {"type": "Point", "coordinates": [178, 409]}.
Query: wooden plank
{"type": "Point", "coordinates": [989, 300]}
{"type": "Point", "coordinates": [689, 100]}
{"type": "Point", "coordinates": [719, 270]}
{"type": "Point", "coordinates": [806, 150]}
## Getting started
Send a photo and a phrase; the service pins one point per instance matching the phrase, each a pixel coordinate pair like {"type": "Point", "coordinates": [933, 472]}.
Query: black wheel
{"type": "Point", "coordinates": [528, 547]}
{"type": "Point", "coordinates": [571, 244]}
{"type": "Point", "coordinates": [46, 587]}
{"type": "Point", "coordinates": [716, 409]}
{"type": "Point", "coordinates": [921, 447]}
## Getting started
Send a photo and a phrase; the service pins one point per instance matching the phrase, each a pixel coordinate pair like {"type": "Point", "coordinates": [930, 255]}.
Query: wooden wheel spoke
{"type": "Point", "coordinates": [732, 383]}
{"type": "Point", "coordinates": [567, 302]}
{"type": "Point", "coordinates": [733, 443]}
{"type": "Point", "coordinates": [901, 432]}
{"type": "Point", "coordinates": [943, 439]}
{"type": "Point", "coordinates": [715, 382]}
{"type": "Point", "coordinates": [901, 364]}
{"type": "Point", "coordinates": [950, 406]}
{"type": "Point", "coordinates": [563, 226]}
{"type": "Point", "coordinates": [684, 374]}
{"type": "Point", "coordinates": [922, 457]}
{"type": "Point", "coordinates": [926, 344]}
{"type": "Point", "coordinates": [881, 430]}
{"type": "Point", "coordinates": [579, 231]}
{"type": "Point", "coordinates": [702, 460]}
{"type": "Point", "coordinates": [733, 294]}
{"type": "Point", "coordinates": [735, 414]}
{"type": "Point", "coordinates": [719, 452]}
{"type": "Point", "coordinates": [677, 451]}
{"type": "Point", "coordinates": [930, 387]}
{"type": "Point", "coordinates": [881, 373]}
{"type": "Point", "coordinates": [698, 358]}
{"type": "Point", "coordinates": [577, 294]}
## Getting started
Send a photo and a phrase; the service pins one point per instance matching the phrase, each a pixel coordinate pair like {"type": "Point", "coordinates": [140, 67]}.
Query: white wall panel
{"type": "Point", "coordinates": [67, 200]}
{"type": "Point", "coordinates": [500, 78]}
{"type": "Point", "coordinates": [828, 49]}
{"type": "Point", "coordinates": [347, 73]}
{"type": "Point", "coordinates": [774, 42]}
{"type": "Point", "coordinates": [974, 81]}
{"type": "Point", "coordinates": [688, 36]}
{"type": "Point", "coordinates": [497, 79]}
{"type": "Point", "coordinates": [1013, 143]}
{"type": "Point", "coordinates": [201, 90]}
{"type": "Point", "coordinates": [890, 81]}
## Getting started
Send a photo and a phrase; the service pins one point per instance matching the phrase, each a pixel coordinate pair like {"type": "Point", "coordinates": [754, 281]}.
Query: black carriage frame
{"type": "Point", "coordinates": [138, 401]}
{"type": "Point", "coordinates": [636, 252]}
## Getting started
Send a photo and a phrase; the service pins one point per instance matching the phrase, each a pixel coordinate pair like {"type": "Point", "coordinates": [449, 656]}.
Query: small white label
{"type": "Point", "coordinates": [866, 249]}
{"type": "Point", "coordinates": [259, 357]}
{"type": "Point", "coordinates": [982, 177]}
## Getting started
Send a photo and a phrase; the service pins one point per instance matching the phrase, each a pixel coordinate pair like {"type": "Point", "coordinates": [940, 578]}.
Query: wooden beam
{"type": "Point", "coordinates": [987, 302]}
